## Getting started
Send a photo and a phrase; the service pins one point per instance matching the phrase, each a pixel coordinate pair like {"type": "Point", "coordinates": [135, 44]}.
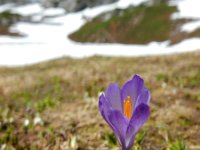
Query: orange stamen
{"type": "Point", "coordinates": [128, 107]}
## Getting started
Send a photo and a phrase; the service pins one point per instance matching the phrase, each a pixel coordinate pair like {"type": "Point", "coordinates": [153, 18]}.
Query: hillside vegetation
{"type": "Point", "coordinates": [137, 25]}
{"type": "Point", "coordinates": [53, 105]}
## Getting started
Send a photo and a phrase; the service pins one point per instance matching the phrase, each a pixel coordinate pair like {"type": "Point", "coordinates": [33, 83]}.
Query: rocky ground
{"type": "Point", "coordinates": [53, 105]}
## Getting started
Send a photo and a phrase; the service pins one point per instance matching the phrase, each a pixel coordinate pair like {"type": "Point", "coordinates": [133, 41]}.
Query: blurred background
{"type": "Point", "coordinates": [57, 56]}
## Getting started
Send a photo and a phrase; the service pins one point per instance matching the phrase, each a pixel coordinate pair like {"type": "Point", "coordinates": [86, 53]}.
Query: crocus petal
{"type": "Point", "coordinates": [106, 111]}
{"type": "Point", "coordinates": [140, 116]}
{"type": "Point", "coordinates": [113, 96]}
{"type": "Point", "coordinates": [144, 97]}
{"type": "Point", "coordinates": [120, 123]}
{"type": "Point", "coordinates": [104, 107]}
{"type": "Point", "coordinates": [132, 88]}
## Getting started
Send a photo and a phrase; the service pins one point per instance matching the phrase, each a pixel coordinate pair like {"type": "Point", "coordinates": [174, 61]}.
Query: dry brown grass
{"type": "Point", "coordinates": [64, 93]}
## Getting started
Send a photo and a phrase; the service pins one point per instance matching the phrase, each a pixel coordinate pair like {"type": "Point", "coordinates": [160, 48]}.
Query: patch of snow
{"type": "Point", "coordinates": [30, 53]}
{"type": "Point", "coordinates": [6, 7]}
{"type": "Point", "coordinates": [187, 8]}
{"type": "Point", "coordinates": [175, 16]}
{"type": "Point", "coordinates": [191, 26]}
{"type": "Point", "coordinates": [50, 12]}
{"type": "Point", "coordinates": [29, 9]}
{"type": "Point", "coordinates": [123, 4]}
{"type": "Point", "coordinates": [92, 12]}
{"type": "Point", "coordinates": [49, 41]}
{"type": "Point", "coordinates": [37, 18]}
{"type": "Point", "coordinates": [53, 12]}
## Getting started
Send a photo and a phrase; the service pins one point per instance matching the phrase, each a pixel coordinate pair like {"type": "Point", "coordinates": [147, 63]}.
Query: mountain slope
{"type": "Point", "coordinates": [135, 25]}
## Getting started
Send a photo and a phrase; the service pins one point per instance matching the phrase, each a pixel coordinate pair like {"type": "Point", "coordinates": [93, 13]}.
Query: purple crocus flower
{"type": "Point", "coordinates": [125, 109]}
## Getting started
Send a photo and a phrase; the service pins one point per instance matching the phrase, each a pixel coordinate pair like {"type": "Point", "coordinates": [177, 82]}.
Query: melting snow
{"type": "Point", "coordinates": [191, 26]}
{"type": "Point", "coordinates": [49, 41]}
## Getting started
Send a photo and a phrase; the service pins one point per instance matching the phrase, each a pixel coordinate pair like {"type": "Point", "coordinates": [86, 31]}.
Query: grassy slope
{"type": "Point", "coordinates": [64, 93]}
{"type": "Point", "coordinates": [140, 25]}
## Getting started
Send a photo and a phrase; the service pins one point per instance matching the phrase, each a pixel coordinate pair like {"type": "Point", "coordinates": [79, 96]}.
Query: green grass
{"type": "Point", "coordinates": [110, 139]}
{"type": "Point", "coordinates": [178, 145]}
